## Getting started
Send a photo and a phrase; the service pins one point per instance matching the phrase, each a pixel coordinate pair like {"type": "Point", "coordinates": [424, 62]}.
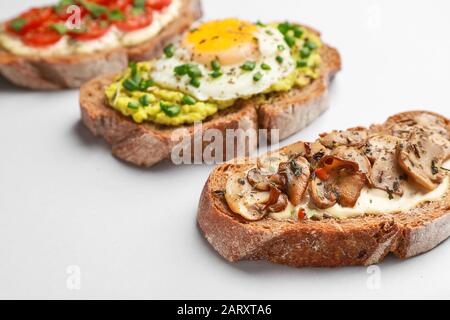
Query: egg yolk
{"type": "Point", "coordinates": [230, 41]}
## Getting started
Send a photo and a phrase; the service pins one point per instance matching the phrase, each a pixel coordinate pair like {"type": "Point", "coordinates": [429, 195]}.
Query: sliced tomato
{"type": "Point", "coordinates": [41, 37]}
{"type": "Point", "coordinates": [158, 4]}
{"type": "Point", "coordinates": [115, 4]}
{"type": "Point", "coordinates": [93, 30]}
{"type": "Point", "coordinates": [32, 19]}
{"type": "Point", "coordinates": [134, 21]}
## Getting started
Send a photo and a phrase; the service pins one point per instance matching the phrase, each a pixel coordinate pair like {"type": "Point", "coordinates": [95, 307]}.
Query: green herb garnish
{"type": "Point", "coordinates": [188, 100]}
{"type": "Point", "coordinates": [258, 76]}
{"type": "Point", "coordinates": [215, 65]}
{"type": "Point", "coordinates": [248, 66]}
{"type": "Point", "coordinates": [265, 67]}
{"type": "Point", "coordinates": [195, 82]}
{"type": "Point", "coordinates": [60, 28]}
{"type": "Point", "coordinates": [305, 52]}
{"type": "Point", "coordinates": [279, 59]}
{"type": "Point", "coordinates": [144, 100]}
{"type": "Point", "coordinates": [133, 105]}
{"type": "Point", "coordinates": [169, 51]}
{"type": "Point", "coordinates": [116, 15]}
{"type": "Point", "coordinates": [171, 110]}
{"type": "Point", "coordinates": [18, 24]}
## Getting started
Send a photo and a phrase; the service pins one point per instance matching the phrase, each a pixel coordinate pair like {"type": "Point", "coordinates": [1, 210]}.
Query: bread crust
{"type": "Point", "coordinates": [63, 72]}
{"type": "Point", "coordinates": [330, 242]}
{"type": "Point", "coordinates": [147, 144]}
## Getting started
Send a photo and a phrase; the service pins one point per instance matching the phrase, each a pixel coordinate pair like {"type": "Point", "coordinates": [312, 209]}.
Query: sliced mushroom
{"type": "Point", "coordinates": [299, 148]}
{"type": "Point", "coordinates": [422, 159]}
{"type": "Point", "coordinates": [316, 151]}
{"type": "Point", "coordinates": [257, 180]}
{"type": "Point", "coordinates": [277, 202]}
{"type": "Point", "coordinates": [437, 129]}
{"type": "Point", "coordinates": [269, 162]}
{"type": "Point", "coordinates": [296, 172]}
{"type": "Point", "coordinates": [386, 174]}
{"type": "Point", "coordinates": [355, 155]}
{"type": "Point", "coordinates": [243, 199]}
{"type": "Point", "coordinates": [354, 137]}
{"type": "Point", "coordinates": [336, 181]}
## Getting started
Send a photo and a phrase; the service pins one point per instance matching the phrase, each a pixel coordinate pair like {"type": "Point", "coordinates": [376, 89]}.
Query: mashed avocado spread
{"type": "Point", "coordinates": [135, 95]}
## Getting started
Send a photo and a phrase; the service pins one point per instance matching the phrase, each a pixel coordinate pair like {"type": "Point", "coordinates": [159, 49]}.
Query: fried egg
{"type": "Point", "coordinates": [232, 58]}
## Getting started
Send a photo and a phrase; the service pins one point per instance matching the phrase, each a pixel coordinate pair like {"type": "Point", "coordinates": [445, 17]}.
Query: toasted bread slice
{"type": "Point", "coordinates": [61, 72]}
{"type": "Point", "coordinates": [147, 144]}
{"type": "Point", "coordinates": [329, 242]}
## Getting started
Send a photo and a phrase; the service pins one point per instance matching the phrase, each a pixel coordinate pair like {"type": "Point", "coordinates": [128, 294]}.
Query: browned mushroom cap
{"type": "Point", "coordinates": [277, 202]}
{"type": "Point", "coordinates": [354, 137]}
{"type": "Point", "coordinates": [336, 181]}
{"type": "Point", "coordinates": [422, 159]}
{"type": "Point", "coordinates": [355, 155]}
{"type": "Point", "coordinates": [386, 174]}
{"type": "Point", "coordinates": [299, 148]}
{"type": "Point", "coordinates": [316, 151]}
{"type": "Point", "coordinates": [296, 171]}
{"type": "Point", "coordinates": [257, 180]}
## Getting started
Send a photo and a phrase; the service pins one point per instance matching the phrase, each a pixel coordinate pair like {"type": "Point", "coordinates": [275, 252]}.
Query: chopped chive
{"type": "Point", "coordinates": [281, 47]}
{"type": "Point", "coordinates": [171, 110]}
{"type": "Point", "coordinates": [260, 24]}
{"type": "Point", "coordinates": [302, 64]}
{"type": "Point", "coordinates": [133, 67]}
{"type": "Point", "coordinates": [311, 45]}
{"type": "Point", "coordinates": [298, 32]}
{"type": "Point", "coordinates": [133, 105]}
{"type": "Point", "coordinates": [258, 76]}
{"type": "Point", "coordinates": [145, 84]}
{"type": "Point", "coordinates": [284, 27]}
{"type": "Point", "coordinates": [145, 100]}
{"type": "Point", "coordinates": [305, 52]}
{"type": "Point", "coordinates": [289, 40]}
{"type": "Point", "coordinates": [181, 70]}
{"type": "Point", "coordinates": [216, 74]}
{"type": "Point", "coordinates": [248, 66]}
{"type": "Point", "coordinates": [130, 85]}
{"type": "Point", "coordinates": [215, 65]}
{"type": "Point", "coordinates": [279, 59]}
{"type": "Point", "coordinates": [195, 82]}
{"type": "Point", "coordinates": [265, 67]}
{"type": "Point", "coordinates": [188, 100]}
{"type": "Point", "coordinates": [169, 51]}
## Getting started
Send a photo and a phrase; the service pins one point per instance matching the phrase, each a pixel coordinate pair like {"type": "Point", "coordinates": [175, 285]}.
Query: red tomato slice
{"type": "Point", "coordinates": [115, 4]}
{"type": "Point", "coordinates": [33, 18]}
{"type": "Point", "coordinates": [158, 4]}
{"type": "Point", "coordinates": [134, 22]}
{"type": "Point", "coordinates": [94, 30]}
{"type": "Point", "coordinates": [41, 37]}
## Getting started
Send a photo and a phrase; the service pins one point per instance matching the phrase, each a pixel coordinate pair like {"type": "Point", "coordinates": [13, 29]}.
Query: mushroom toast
{"type": "Point", "coordinates": [224, 74]}
{"type": "Point", "coordinates": [65, 45]}
{"type": "Point", "coordinates": [348, 198]}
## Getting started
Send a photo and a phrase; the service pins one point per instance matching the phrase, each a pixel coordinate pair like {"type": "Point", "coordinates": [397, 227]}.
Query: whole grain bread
{"type": "Point", "coordinates": [147, 144]}
{"type": "Point", "coordinates": [61, 72]}
{"type": "Point", "coordinates": [330, 242]}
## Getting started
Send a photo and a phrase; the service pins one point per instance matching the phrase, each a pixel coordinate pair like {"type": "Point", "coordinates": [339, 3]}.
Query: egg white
{"type": "Point", "coordinates": [234, 83]}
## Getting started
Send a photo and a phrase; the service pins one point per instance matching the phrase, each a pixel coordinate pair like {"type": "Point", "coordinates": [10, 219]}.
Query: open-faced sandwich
{"type": "Point", "coordinates": [226, 74]}
{"type": "Point", "coordinates": [348, 198]}
{"type": "Point", "coordinates": [65, 45]}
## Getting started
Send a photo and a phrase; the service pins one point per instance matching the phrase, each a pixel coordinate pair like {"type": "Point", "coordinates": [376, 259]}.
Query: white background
{"type": "Point", "coordinates": [64, 200]}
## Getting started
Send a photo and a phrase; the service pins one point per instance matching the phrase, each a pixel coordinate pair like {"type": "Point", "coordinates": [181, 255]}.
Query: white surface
{"type": "Point", "coordinates": [64, 200]}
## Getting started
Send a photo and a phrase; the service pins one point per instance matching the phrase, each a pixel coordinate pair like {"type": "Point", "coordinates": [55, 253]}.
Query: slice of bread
{"type": "Point", "coordinates": [61, 72]}
{"type": "Point", "coordinates": [329, 242]}
{"type": "Point", "coordinates": [147, 144]}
